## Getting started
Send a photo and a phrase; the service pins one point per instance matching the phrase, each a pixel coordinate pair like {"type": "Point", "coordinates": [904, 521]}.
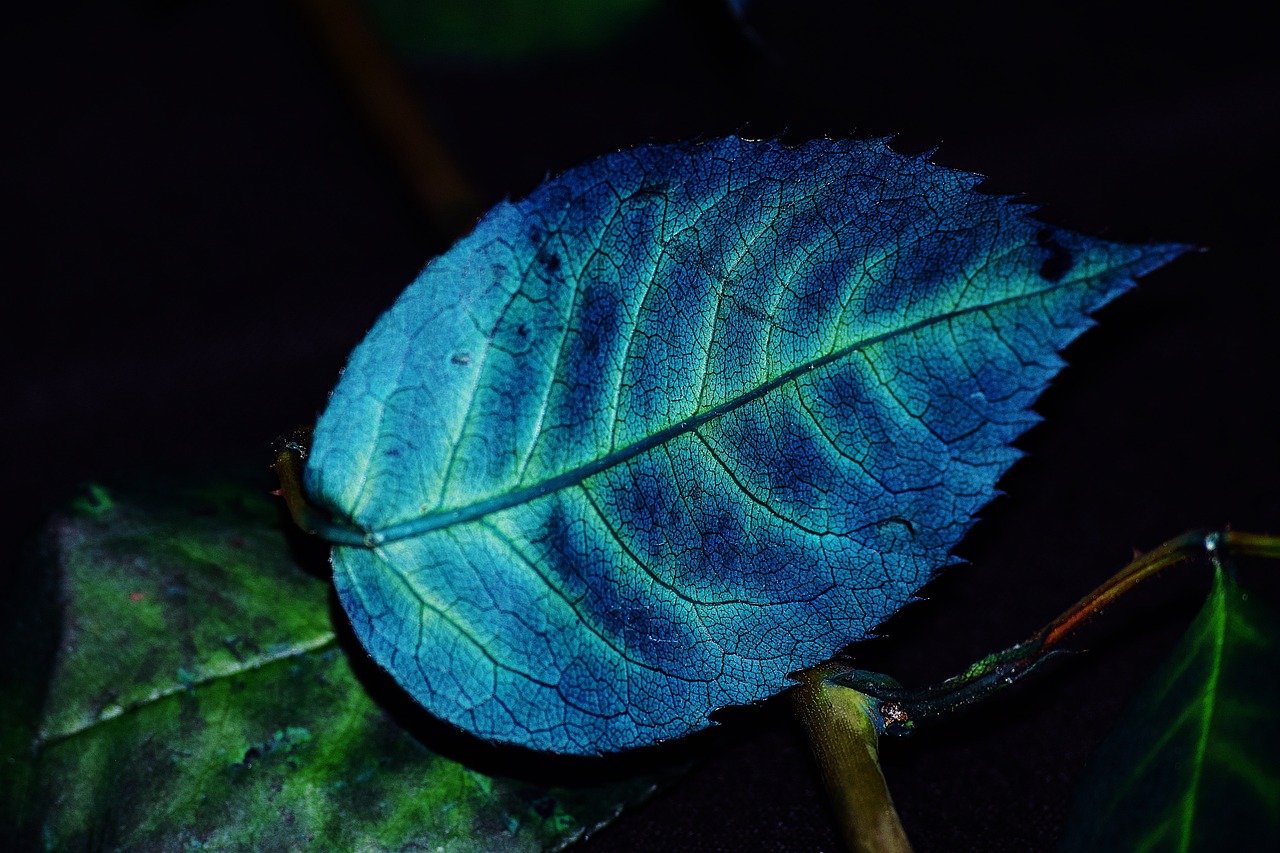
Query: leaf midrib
{"type": "Point", "coordinates": [436, 520]}
{"type": "Point", "coordinates": [1209, 705]}
{"type": "Point", "coordinates": [320, 642]}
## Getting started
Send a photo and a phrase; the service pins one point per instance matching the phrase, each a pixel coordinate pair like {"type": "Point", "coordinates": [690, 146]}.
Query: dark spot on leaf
{"type": "Point", "coordinates": [1059, 261]}
{"type": "Point", "coordinates": [251, 755]}
{"type": "Point", "coordinates": [723, 545]}
{"type": "Point", "coordinates": [522, 330]}
{"type": "Point", "coordinates": [544, 806]}
{"type": "Point", "coordinates": [233, 646]}
{"type": "Point", "coordinates": [560, 548]}
{"type": "Point", "coordinates": [655, 188]}
{"type": "Point", "coordinates": [460, 358]}
{"type": "Point", "coordinates": [905, 522]}
{"type": "Point", "coordinates": [550, 263]}
{"type": "Point", "coordinates": [598, 324]}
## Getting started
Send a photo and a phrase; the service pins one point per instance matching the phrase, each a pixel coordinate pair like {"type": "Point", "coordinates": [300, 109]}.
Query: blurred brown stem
{"type": "Point", "coordinates": [395, 112]}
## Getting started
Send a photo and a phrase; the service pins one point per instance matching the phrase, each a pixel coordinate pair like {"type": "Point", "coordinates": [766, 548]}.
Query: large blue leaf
{"type": "Point", "coordinates": [684, 420]}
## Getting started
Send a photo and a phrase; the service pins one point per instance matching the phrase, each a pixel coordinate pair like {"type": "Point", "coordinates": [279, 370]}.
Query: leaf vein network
{"type": "Point", "coordinates": [431, 521]}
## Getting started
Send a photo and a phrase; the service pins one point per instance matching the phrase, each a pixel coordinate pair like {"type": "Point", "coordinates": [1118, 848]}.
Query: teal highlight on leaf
{"type": "Point", "coordinates": [685, 420]}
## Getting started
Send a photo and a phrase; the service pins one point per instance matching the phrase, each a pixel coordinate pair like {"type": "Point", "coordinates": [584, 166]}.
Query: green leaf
{"type": "Point", "coordinates": [1195, 762]}
{"type": "Point", "coordinates": [685, 420]}
{"type": "Point", "coordinates": [200, 700]}
{"type": "Point", "coordinates": [502, 29]}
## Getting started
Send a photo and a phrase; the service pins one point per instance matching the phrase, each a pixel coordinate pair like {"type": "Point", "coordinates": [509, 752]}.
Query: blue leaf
{"type": "Point", "coordinates": [684, 420]}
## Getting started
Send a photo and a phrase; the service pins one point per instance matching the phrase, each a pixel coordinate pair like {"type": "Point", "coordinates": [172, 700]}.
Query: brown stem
{"type": "Point", "coordinates": [1177, 550]}
{"type": "Point", "coordinates": [997, 671]}
{"type": "Point", "coordinates": [394, 109]}
{"type": "Point", "coordinates": [846, 746]}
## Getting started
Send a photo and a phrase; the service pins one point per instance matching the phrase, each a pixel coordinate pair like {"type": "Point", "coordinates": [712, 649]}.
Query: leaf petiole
{"type": "Point", "coordinates": [291, 452]}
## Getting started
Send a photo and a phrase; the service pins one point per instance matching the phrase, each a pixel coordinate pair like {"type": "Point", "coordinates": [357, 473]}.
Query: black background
{"type": "Point", "coordinates": [199, 227]}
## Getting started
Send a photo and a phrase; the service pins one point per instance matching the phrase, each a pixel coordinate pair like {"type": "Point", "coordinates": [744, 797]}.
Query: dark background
{"type": "Point", "coordinates": [200, 226]}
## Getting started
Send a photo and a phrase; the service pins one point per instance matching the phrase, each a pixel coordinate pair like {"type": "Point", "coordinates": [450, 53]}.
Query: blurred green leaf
{"type": "Point", "coordinates": [1195, 764]}
{"type": "Point", "coordinates": [501, 29]}
{"type": "Point", "coordinates": [200, 700]}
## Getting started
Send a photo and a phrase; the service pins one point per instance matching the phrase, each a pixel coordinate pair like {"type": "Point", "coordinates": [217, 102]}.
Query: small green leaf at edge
{"type": "Point", "coordinates": [1195, 762]}
{"type": "Point", "coordinates": [199, 700]}
{"type": "Point", "coordinates": [502, 30]}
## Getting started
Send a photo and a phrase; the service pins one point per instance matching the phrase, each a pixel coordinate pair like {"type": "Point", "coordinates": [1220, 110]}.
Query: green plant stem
{"type": "Point", "coordinates": [845, 741]}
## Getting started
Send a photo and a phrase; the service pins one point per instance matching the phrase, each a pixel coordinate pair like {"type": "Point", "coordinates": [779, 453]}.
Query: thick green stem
{"type": "Point", "coordinates": [845, 742]}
